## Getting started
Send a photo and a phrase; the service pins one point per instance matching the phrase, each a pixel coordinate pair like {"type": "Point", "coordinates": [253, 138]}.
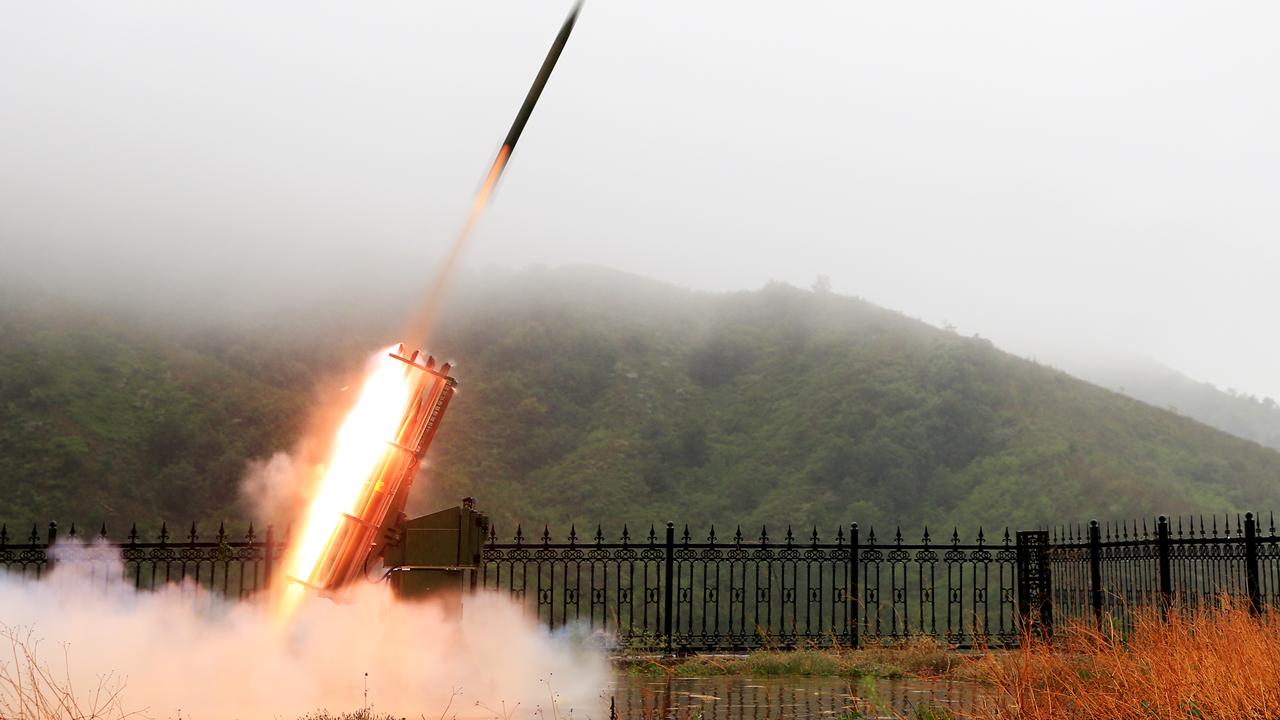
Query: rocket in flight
{"type": "Point", "coordinates": [421, 324]}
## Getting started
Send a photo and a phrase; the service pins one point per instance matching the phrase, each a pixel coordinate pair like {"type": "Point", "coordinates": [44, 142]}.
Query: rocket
{"type": "Point", "coordinates": [530, 100]}
{"type": "Point", "coordinates": [361, 535]}
{"type": "Point", "coordinates": [421, 324]}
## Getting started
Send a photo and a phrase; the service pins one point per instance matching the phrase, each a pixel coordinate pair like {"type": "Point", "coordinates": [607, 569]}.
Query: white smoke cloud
{"type": "Point", "coordinates": [184, 652]}
{"type": "Point", "coordinates": [272, 488]}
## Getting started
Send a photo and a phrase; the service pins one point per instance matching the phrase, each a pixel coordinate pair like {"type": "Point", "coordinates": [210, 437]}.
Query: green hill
{"type": "Point", "coordinates": [106, 422]}
{"type": "Point", "coordinates": [588, 396]}
{"type": "Point", "coordinates": [1242, 415]}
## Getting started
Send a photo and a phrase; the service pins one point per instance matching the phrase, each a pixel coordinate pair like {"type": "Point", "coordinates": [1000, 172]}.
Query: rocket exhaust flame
{"type": "Point", "coordinates": [375, 457]}
{"type": "Point", "coordinates": [371, 469]}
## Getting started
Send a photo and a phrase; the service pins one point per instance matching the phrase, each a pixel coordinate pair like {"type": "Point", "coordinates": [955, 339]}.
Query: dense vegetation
{"type": "Point", "coordinates": [102, 421]}
{"type": "Point", "coordinates": [589, 396]}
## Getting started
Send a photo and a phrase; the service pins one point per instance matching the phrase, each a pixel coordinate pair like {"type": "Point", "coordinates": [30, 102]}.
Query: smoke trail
{"type": "Point", "coordinates": [183, 651]}
{"type": "Point", "coordinates": [276, 487]}
{"type": "Point", "coordinates": [420, 327]}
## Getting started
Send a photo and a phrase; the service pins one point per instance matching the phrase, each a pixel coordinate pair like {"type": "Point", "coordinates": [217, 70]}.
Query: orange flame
{"type": "Point", "coordinates": [360, 446]}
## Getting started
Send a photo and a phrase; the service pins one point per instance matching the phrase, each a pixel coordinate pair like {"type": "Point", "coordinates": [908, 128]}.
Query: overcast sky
{"type": "Point", "coordinates": [1097, 176]}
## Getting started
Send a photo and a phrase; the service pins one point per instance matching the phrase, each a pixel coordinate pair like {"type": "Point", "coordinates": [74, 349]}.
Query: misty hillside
{"type": "Point", "coordinates": [101, 421]}
{"type": "Point", "coordinates": [589, 396]}
{"type": "Point", "coordinates": [1245, 416]}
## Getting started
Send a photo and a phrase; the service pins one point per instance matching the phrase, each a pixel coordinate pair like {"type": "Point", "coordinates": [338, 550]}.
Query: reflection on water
{"type": "Point", "coordinates": [793, 698]}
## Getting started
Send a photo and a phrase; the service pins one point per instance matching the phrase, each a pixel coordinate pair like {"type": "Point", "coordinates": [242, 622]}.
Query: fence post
{"type": "Point", "coordinates": [266, 557]}
{"type": "Point", "coordinates": [1035, 590]}
{"type": "Point", "coordinates": [855, 594]}
{"type": "Point", "coordinates": [1162, 553]}
{"type": "Point", "coordinates": [1251, 564]}
{"type": "Point", "coordinates": [48, 548]}
{"type": "Point", "coordinates": [1095, 570]}
{"type": "Point", "coordinates": [669, 589]}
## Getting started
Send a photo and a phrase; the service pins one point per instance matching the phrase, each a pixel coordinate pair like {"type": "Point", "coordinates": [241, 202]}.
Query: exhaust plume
{"type": "Point", "coordinates": [420, 327]}
{"type": "Point", "coordinates": [182, 651]}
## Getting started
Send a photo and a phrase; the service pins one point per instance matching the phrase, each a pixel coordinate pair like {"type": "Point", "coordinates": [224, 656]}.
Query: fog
{"type": "Point", "coordinates": [1089, 175]}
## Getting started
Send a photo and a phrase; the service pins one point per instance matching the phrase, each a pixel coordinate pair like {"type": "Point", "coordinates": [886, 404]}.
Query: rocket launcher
{"type": "Point", "coordinates": [361, 536]}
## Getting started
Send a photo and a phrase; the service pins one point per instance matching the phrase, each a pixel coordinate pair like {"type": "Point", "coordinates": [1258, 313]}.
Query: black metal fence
{"type": "Point", "coordinates": [1107, 572]}
{"type": "Point", "coordinates": [237, 567]}
{"type": "Point", "coordinates": [672, 591]}
{"type": "Point", "coordinates": [675, 593]}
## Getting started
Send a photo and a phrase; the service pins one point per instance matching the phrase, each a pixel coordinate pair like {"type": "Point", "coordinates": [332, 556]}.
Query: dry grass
{"type": "Point", "coordinates": [30, 689]}
{"type": "Point", "coordinates": [1219, 663]}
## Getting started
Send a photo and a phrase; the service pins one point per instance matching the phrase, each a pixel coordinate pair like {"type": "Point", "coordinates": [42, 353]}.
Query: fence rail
{"type": "Point", "coordinates": [1106, 572]}
{"type": "Point", "coordinates": [677, 592]}
{"type": "Point", "coordinates": [234, 567]}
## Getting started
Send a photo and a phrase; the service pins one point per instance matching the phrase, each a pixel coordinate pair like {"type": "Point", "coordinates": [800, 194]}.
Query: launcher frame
{"type": "Point", "coordinates": [361, 537]}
